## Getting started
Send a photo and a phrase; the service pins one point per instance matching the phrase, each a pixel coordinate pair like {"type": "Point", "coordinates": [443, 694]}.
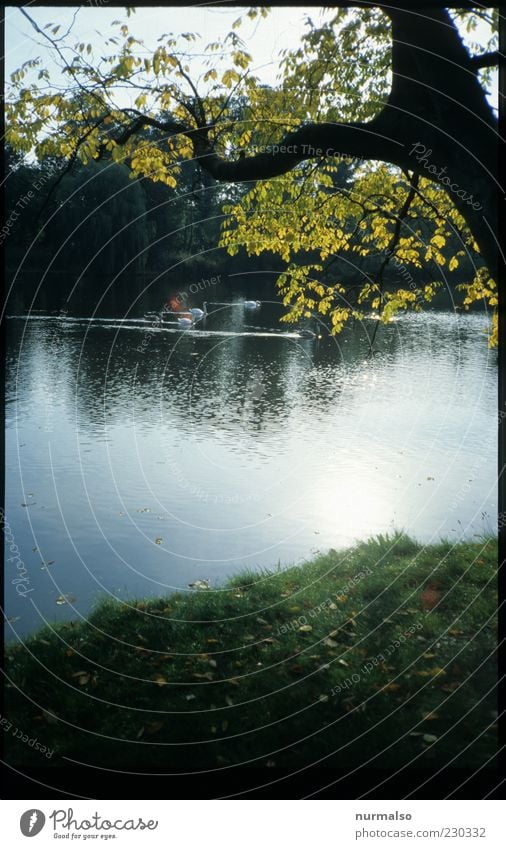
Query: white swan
{"type": "Point", "coordinates": [252, 305]}
{"type": "Point", "coordinates": [198, 313]}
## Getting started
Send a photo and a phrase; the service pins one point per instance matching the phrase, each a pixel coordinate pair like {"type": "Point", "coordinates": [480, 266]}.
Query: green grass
{"type": "Point", "coordinates": [281, 669]}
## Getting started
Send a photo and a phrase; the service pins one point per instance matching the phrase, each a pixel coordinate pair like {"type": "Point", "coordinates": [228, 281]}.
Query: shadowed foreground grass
{"type": "Point", "coordinates": [381, 654]}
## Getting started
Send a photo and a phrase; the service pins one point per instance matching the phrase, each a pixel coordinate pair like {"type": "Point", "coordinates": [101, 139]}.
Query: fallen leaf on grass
{"type": "Point", "coordinates": [431, 595]}
{"type": "Point", "coordinates": [229, 701]}
{"type": "Point", "coordinates": [330, 643]}
{"type": "Point", "coordinates": [343, 662]}
{"type": "Point", "coordinates": [305, 629]}
{"type": "Point", "coordinates": [207, 675]}
{"type": "Point", "coordinates": [159, 679]}
{"type": "Point", "coordinates": [392, 688]}
{"type": "Point", "coordinates": [199, 585]}
{"type": "Point", "coordinates": [153, 727]}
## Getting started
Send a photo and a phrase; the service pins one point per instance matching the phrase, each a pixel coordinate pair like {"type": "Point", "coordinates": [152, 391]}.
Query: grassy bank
{"type": "Point", "coordinates": [383, 653]}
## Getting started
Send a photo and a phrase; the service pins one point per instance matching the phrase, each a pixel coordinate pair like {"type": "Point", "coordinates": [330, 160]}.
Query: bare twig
{"type": "Point", "coordinates": [413, 181]}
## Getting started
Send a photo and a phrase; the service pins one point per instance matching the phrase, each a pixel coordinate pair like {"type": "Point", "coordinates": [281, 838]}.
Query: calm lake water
{"type": "Point", "coordinates": [141, 459]}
